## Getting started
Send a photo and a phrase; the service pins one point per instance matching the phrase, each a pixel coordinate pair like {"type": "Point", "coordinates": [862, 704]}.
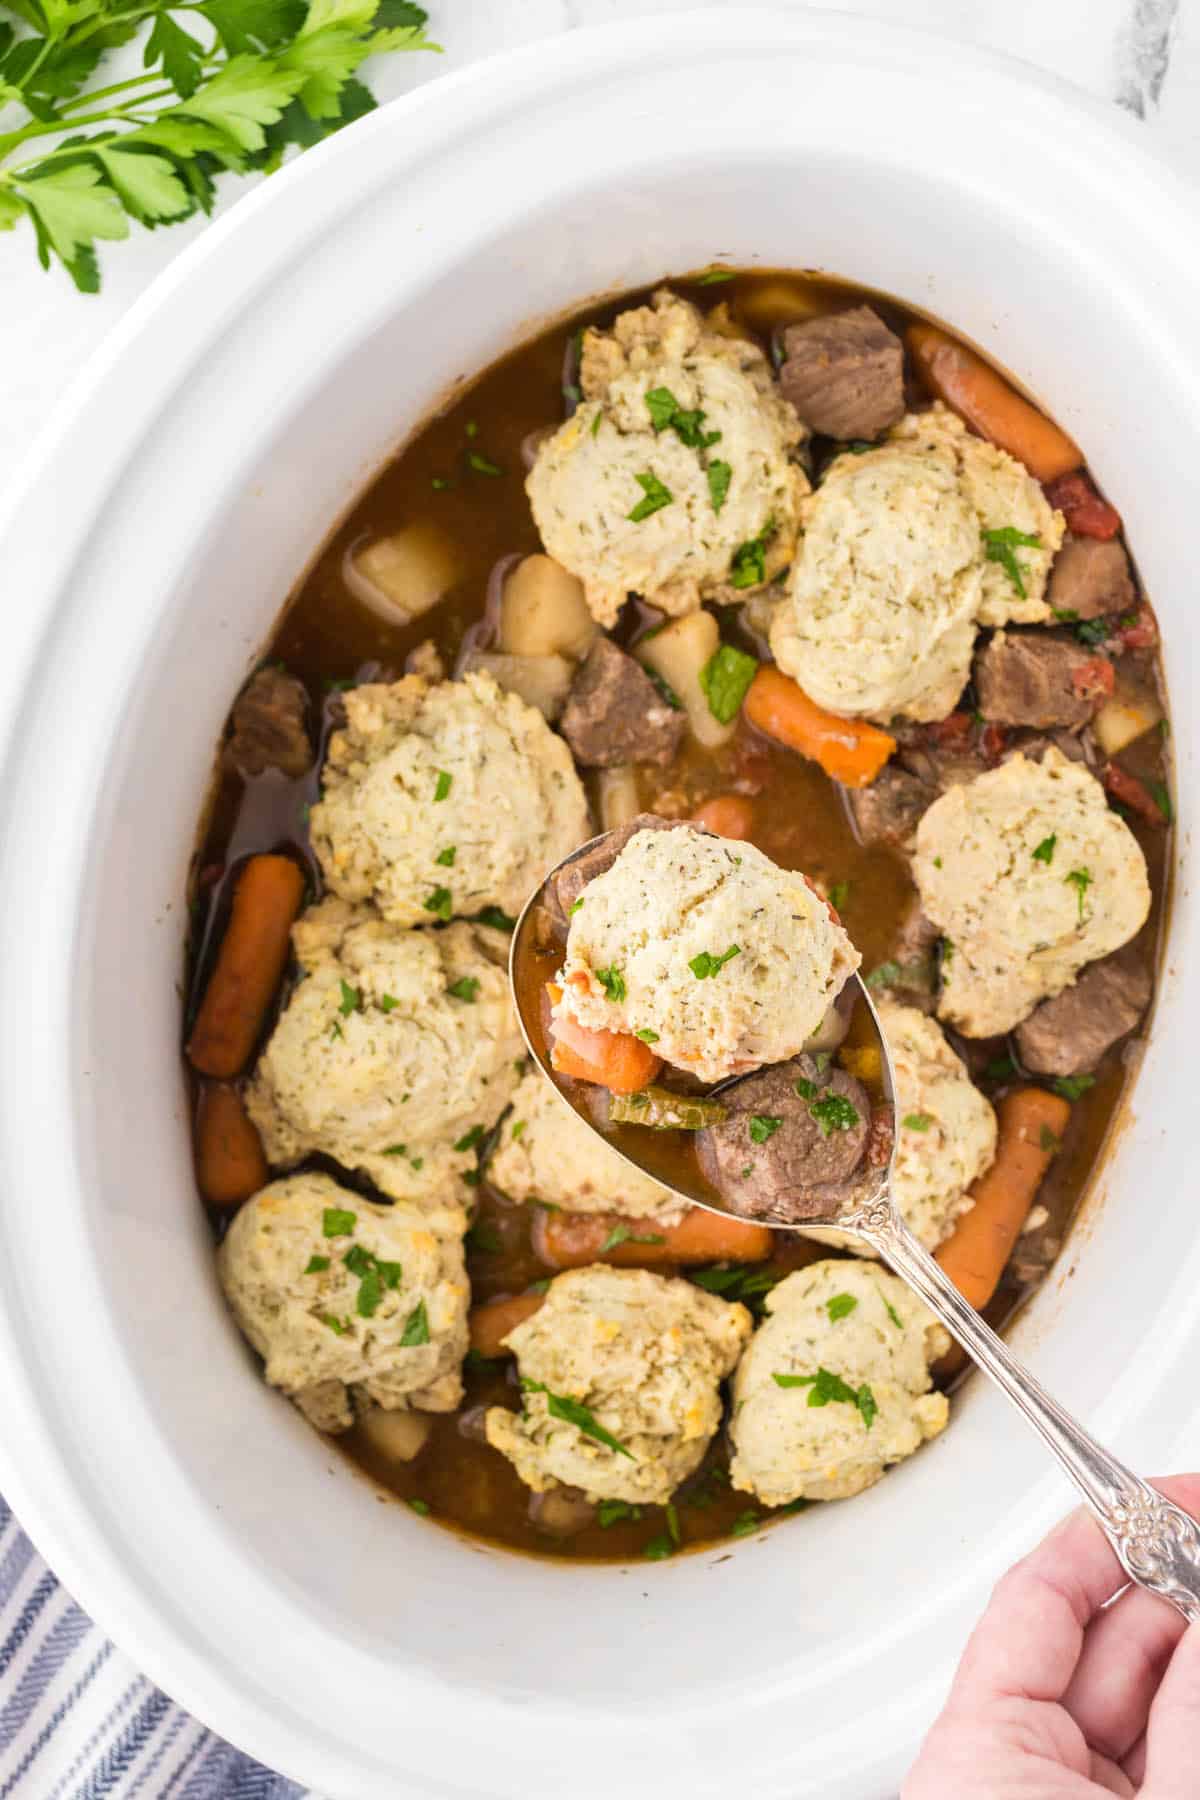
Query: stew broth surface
{"type": "Point", "coordinates": [329, 639]}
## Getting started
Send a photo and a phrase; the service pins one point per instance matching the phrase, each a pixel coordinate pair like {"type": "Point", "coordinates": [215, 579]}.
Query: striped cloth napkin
{"type": "Point", "coordinates": [77, 1721]}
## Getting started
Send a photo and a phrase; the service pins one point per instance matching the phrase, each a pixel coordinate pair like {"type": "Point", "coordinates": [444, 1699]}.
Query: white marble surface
{"type": "Point", "coordinates": [1143, 55]}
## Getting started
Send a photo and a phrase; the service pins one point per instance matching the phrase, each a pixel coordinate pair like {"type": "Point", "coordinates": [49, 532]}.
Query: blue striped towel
{"type": "Point", "coordinates": [77, 1721]}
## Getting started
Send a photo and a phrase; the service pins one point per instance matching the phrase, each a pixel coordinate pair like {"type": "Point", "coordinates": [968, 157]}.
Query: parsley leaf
{"type": "Point", "coordinates": [613, 983]}
{"type": "Point", "coordinates": [445, 858]}
{"type": "Point", "coordinates": [470, 1138]}
{"type": "Point", "coordinates": [316, 1264]}
{"type": "Point", "coordinates": [662, 407]}
{"type": "Point", "coordinates": [839, 893]}
{"type": "Point", "coordinates": [749, 565]}
{"type": "Point", "coordinates": [763, 1126]}
{"type": "Point", "coordinates": [1048, 1142]}
{"type": "Point", "coordinates": [351, 1000]}
{"type": "Point", "coordinates": [917, 1121]}
{"type": "Point", "coordinates": [647, 1036]}
{"type": "Point", "coordinates": [999, 546]}
{"type": "Point", "coordinates": [465, 989]}
{"type": "Point", "coordinates": [1071, 1087]}
{"type": "Point", "coordinates": [725, 678]}
{"type": "Point", "coordinates": [825, 1387]}
{"type": "Point", "coordinates": [658, 1548]}
{"type": "Point", "coordinates": [1161, 795]}
{"type": "Point", "coordinates": [745, 1523]}
{"type": "Point", "coordinates": [1045, 850]}
{"type": "Point", "coordinates": [893, 1315]}
{"type": "Point", "coordinates": [420, 1507]}
{"type": "Point", "coordinates": [1081, 880]}
{"type": "Point", "coordinates": [443, 784]}
{"type": "Point", "coordinates": [833, 1112]}
{"type": "Point", "coordinates": [337, 1222]}
{"type": "Point", "coordinates": [654, 497]}
{"type": "Point", "coordinates": [416, 1328]}
{"type": "Point", "coordinates": [706, 964]}
{"type": "Point", "coordinates": [440, 902]}
{"type": "Point", "coordinates": [561, 1406]}
{"type": "Point", "coordinates": [482, 465]}
{"type": "Point", "coordinates": [496, 917]}
{"type": "Point", "coordinates": [719, 476]}
{"type": "Point", "coordinates": [614, 1512]}
{"type": "Point", "coordinates": [840, 1306]}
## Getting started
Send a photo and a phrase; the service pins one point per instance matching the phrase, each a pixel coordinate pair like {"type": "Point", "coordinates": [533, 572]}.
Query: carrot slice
{"type": "Point", "coordinates": [849, 750]}
{"type": "Point", "coordinates": [989, 405]}
{"type": "Point", "coordinates": [1031, 1122]}
{"type": "Point", "coordinates": [249, 966]}
{"type": "Point", "coordinates": [729, 815]}
{"type": "Point", "coordinates": [230, 1165]}
{"type": "Point", "coordinates": [571, 1240]}
{"type": "Point", "coordinates": [491, 1323]}
{"type": "Point", "coordinates": [613, 1059]}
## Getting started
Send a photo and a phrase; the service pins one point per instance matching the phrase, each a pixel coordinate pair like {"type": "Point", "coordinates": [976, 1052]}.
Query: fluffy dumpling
{"type": "Point", "coordinates": [342, 1298]}
{"type": "Point", "coordinates": [835, 1386]}
{"type": "Point", "coordinates": [441, 800]}
{"type": "Point", "coordinates": [389, 1038]}
{"type": "Point", "coordinates": [1029, 874]}
{"type": "Point", "coordinates": [639, 1359]}
{"type": "Point", "coordinates": [896, 568]}
{"type": "Point", "coordinates": [705, 949]}
{"type": "Point", "coordinates": [672, 479]}
{"type": "Point", "coordinates": [545, 1152]}
{"type": "Point", "coordinates": [945, 1129]}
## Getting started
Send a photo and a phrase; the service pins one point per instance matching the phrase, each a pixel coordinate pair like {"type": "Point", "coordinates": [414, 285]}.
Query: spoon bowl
{"type": "Point", "coordinates": [1157, 1543]}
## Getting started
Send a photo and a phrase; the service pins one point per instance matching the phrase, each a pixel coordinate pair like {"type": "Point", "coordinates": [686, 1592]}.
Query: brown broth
{"type": "Point", "coordinates": [327, 637]}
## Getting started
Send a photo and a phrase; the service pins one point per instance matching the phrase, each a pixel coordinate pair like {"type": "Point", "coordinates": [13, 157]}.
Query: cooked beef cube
{"type": "Point", "coordinates": [943, 766]}
{"type": "Point", "coordinates": [1069, 1034]}
{"type": "Point", "coordinates": [615, 714]}
{"type": "Point", "coordinates": [909, 973]}
{"type": "Point", "coordinates": [809, 1164]}
{"type": "Point", "coordinates": [889, 811]}
{"type": "Point", "coordinates": [268, 729]}
{"type": "Point", "coordinates": [575, 877]}
{"type": "Point", "coordinates": [844, 374]}
{"type": "Point", "coordinates": [1038, 678]}
{"type": "Point", "coordinates": [1076, 746]}
{"type": "Point", "coordinates": [1091, 578]}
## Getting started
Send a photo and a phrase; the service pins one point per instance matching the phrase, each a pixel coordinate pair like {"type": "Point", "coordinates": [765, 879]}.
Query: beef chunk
{"type": "Point", "coordinates": [1041, 678]}
{"type": "Point", "coordinates": [1076, 746]}
{"type": "Point", "coordinates": [1069, 1034]}
{"type": "Point", "coordinates": [943, 766]}
{"type": "Point", "coordinates": [615, 714]}
{"type": "Point", "coordinates": [268, 729]}
{"type": "Point", "coordinates": [1091, 578]}
{"type": "Point", "coordinates": [808, 1166]}
{"type": "Point", "coordinates": [889, 811]}
{"type": "Point", "coordinates": [844, 374]}
{"type": "Point", "coordinates": [571, 881]}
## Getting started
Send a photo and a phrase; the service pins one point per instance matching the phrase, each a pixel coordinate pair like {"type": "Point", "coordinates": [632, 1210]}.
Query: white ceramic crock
{"type": "Point", "coordinates": [218, 436]}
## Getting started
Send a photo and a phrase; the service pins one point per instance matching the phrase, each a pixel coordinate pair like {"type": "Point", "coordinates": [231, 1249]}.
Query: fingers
{"type": "Point", "coordinates": [1126, 1648]}
{"type": "Point", "coordinates": [1173, 1733]}
{"type": "Point", "coordinates": [1029, 1640]}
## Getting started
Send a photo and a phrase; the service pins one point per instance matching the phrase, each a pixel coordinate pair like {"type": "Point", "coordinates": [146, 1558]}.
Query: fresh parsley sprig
{"type": "Point", "coordinates": [227, 86]}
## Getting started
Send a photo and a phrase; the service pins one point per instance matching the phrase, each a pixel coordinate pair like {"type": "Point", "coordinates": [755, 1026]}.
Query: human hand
{"type": "Point", "coordinates": [1057, 1699]}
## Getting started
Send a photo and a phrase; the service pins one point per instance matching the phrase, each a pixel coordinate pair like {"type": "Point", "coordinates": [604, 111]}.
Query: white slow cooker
{"type": "Point", "coordinates": [156, 534]}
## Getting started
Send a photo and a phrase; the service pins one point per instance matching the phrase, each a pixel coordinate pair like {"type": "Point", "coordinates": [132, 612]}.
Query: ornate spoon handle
{"type": "Point", "coordinates": [1157, 1542]}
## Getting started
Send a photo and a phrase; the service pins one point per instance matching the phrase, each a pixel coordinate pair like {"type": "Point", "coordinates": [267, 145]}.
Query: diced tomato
{"type": "Point", "coordinates": [992, 741]}
{"type": "Point", "coordinates": [950, 730]}
{"type": "Point", "coordinates": [1094, 679]}
{"type": "Point", "coordinates": [1141, 633]}
{"type": "Point", "coordinates": [1087, 515]}
{"type": "Point", "coordinates": [1129, 791]}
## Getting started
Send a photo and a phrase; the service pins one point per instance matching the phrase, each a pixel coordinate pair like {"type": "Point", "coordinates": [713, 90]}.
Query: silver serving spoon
{"type": "Point", "coordinates": [1157, 1543]}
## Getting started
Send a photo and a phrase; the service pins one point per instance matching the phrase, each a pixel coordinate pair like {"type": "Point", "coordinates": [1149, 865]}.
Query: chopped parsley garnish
{"type": "Point", "coordinates": [621, 1234]}
{"type": "Point", "coordinates": [1000, 546]}
{"type": "Point", "coordinates": [614, 1512]}
{"type": "Point", "coordinates": [825, 1386]}
{"type": "Point", "coordinates": [472, 428]}
{"type": "Point", "coordinates": [719, 477]}
{"type": "Point", "coordinates": [484, 1238]}
{"type": "Point", "coordinates": [465, 988]}
{"type": "Point", "coordinates": [337, 1222]}
{"type": "Point", "coordinates": [597, 421]}
{"type": "Point", "coordinates": [1045, 850]}
{"type": "Point", "coordinates": [497, 918]}
{"type": "Point", "coordinates": [373, 1277]}
{"type": "Point", "coordinates": [647, 1036]}
{"type": "Point", "coordinates": [576, 906]}
{"type": "Point", "coordinates": [571, 393]}
{"type": "Point", "coordinates": [1071, 1087]}
{"type": "Point", "coordinates": [1161, 795]}
{"type": "Point", "coordinates": [664, 687]}
{"type": "Point", "coordinates": [613, 983]}
{"type": "Point", "coordinates": [396, 1150]}
{"type": "Point", "coordinates": [833, 1112]}
{"type": "Point", "coordinates": [388, 1003]}
{"type": "Point", "coordinates": [542, 1286]}
{"type": "Point", "coordinates": [763, 1126]}
{"type": "Point", "coordinates": [839, 1306]}
{"type": "Point", "coordinates": [445, 858]}
{"type": "Point", "coordinates": [470, 1138]}
{"type": "Point", "coordinates": [1000, 1068]}
{"type": "Point", "coordinates": [917, 1121]}
{"type": "Point", "coordinates": [335, 1030]}
{"type": "Point", "coordinates": [806, 1089]}
{"type": "Point", "coordinates": [1092, 632]}
{"type": "Point", "coordinates": [440, 902]}
{"type": "Point", "coordinates": [482, 465]}
{"type": "Point", "coordinates": [443, 784]}
{"type": "Point", "coordinates": [739, 1281]}
{"type": "Point", "coordinates": [662, 406]}
{"type": "Point", "coordinates": [839, 893]}
{"type": "Point", "coordinates": [711, 277]}
{"type": "Point", "coordinates": [518, 1129]}
{"type": "Point", "coordinates": [1048, 1142]}
{"type": "Point", "coordinates": [745, 1523]}
{"type": "Point", "coordinates": [749, 565]}
{"type": "Point", "coordinates": [438, 483]}
{"type": "Point", "coordinates": [420, 1507]}
{"type": "Point", "coordinates": [893, 1315]}
{"type": "Point", "coordinates": [654, 497]}
{"type": "Point", "coordinates": [706, 964]}
{"type": "Point", "coordinates": [339, 1327]}
{"type": "Point", "coordinates": [351, 1000]}
{"type": "Point", "coordinates": [673, 1523]}
{"type": "Point", "coordinates": [561, 1406]}
{"type": "Point", "coordinates": [886, 975]}
{"type": "Point", "coordinates": [658, 1548]}
{"type": "Point", "coordinates": [856, 447]}
{"type": "Point", "coordinates": [1081, 880]}
{"type": "Point", "coordinates": [725, 678]}
{"type": "Point", "coordinates": [416, 1328]}
{"type": "Point", "coordinates": [316, 1264]}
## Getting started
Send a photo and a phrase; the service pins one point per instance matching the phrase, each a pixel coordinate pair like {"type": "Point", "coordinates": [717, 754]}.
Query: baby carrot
{"type": "Point", "coordinates": [249, 965]}
{"type": "Point", "coordinates": [491, 1323]}
{"type": "Point", "coordinates": [571, 1240]}
{"type": "Point", "coordinates": [849, 750]}
{"type": "Point", "coordinates": [614, 1059]}
{"type": "Point", "coordinates": [989, 405]}
{"type": "Point", "coordinates": [230, 1165]}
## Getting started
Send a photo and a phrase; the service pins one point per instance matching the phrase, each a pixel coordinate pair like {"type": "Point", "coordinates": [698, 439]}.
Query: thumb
{"type": "Point", "coordinates": [1173, 1730]}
